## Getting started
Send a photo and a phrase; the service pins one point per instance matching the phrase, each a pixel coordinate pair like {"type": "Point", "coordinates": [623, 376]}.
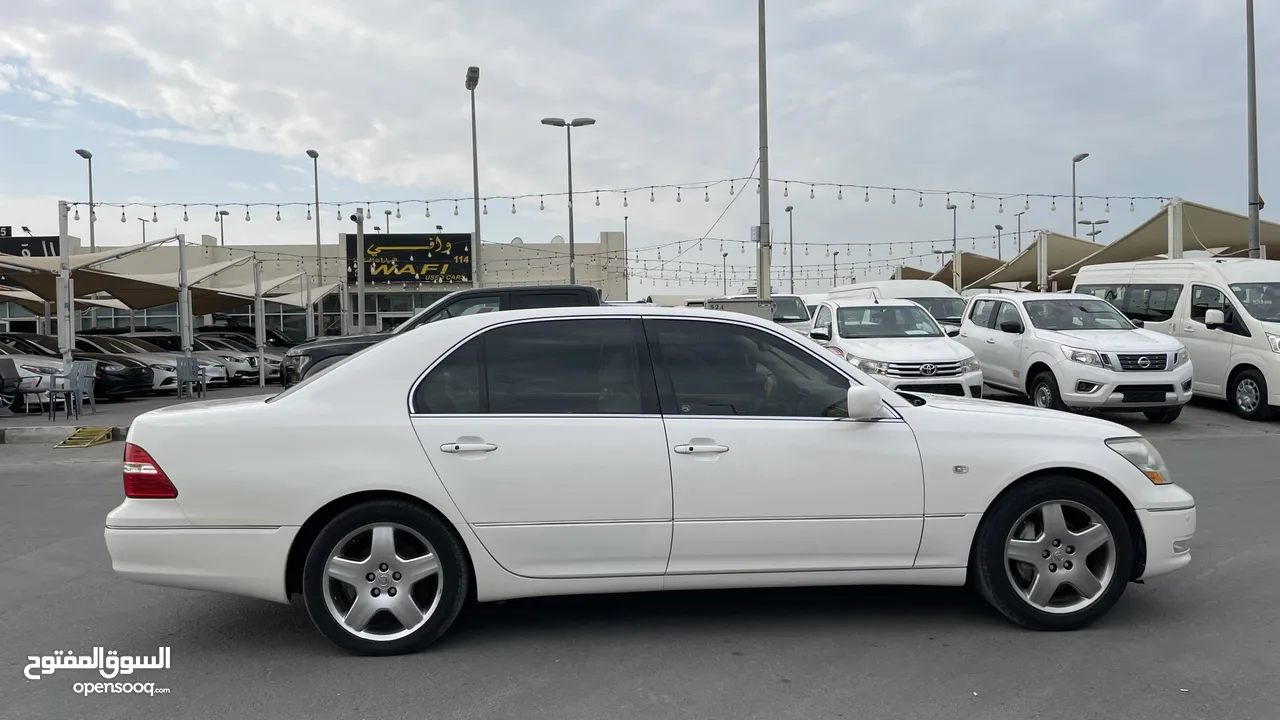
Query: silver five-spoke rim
{"type": "Point", "coordinates": [1044, 396]}
{"type": "Point", "coordinates": [383, 582]}
{"type": "Point", "coordinates": [1060, 557]}
{"type": "Point", "coordinates": [1248, 395]}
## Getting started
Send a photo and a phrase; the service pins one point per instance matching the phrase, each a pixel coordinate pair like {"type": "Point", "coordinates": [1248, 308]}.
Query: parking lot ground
{"type": "Point", "coordinates": [1200, 419]}
{"type": "Point", "coordinates": [1200, 643]}
{"type": "Point", "coordinates": [114, 414]}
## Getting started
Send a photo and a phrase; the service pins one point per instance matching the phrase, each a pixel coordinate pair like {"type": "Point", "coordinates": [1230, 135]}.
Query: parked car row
{"type": "Point", "coordinates": [144, 362]}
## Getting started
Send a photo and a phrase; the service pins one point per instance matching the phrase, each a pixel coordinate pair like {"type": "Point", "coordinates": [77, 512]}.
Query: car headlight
{"type": "Point", "coordinates": [41, 369]}
{"type": "Point", "coordinates": [228, 358]}
{"type": "Point", "coordinates": [162, 368]}
{"type": "Point", "coordinates": [300, 361]}
{"type": "Point", "coordinates": [1082, 356]}
{"type": "Point", "coordinates": [292, 352]}
{"type": "Point", "coordinates": [113, 368]}
{"type": "Point", "coordinates": [1275, 342]}
{"type": "Point", "coordinates": [1180, 357]}
{"type": "Point", "coordinates": [1144, 456]}
{"type": "Point", "coordinates": [871, 367]}
{"type": "Point", "coordinates": [969, 365]}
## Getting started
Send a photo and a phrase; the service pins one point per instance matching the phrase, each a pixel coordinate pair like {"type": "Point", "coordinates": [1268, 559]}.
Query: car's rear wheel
{"type": "Point", "coordinates": [1248, 396]}
{"type": "Point", "coordinates": [1164, 416]}
{"type": "Point", "coordinates": [384, 578]}
{"type": "Point", "coordinates": [1053, 554]}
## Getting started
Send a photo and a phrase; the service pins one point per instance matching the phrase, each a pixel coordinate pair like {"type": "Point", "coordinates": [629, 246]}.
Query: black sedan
{"type": "Point", "coordinates": [117, 378]}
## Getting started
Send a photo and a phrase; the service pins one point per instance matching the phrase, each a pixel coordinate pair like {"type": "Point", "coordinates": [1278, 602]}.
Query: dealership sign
{"type": "Point", "coordinates": [411, 258]}
{"type": "Point", "coordinates": [39, 246]}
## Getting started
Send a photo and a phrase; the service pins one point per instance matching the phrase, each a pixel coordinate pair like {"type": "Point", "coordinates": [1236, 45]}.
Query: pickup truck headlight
{"type": "Point", "coordinates": [1144, 456]}
{"type": "Point", "coordinates": [871, 367]}
{"type": "Point", "coordinates": [969, 365]}
{"type": "Point", "coordinates": [1180, 357]}
{"type": "Point", "coordinates": [1082, 356]}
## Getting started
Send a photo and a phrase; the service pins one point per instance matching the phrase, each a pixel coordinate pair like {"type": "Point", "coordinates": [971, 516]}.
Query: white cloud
{"type": "Point", "coordinates": [948, 94]}
{"type": "Point", "coordinates": [146, 161]}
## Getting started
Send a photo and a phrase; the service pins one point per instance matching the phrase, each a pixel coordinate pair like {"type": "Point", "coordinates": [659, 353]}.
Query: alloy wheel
{"type": "Point", "coordinates": [383, 582]}
{"type": "Point", "coordinates": [1060, 557]}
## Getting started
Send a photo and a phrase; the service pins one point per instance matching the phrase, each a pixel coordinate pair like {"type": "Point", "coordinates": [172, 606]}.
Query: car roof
{"type": "Point", "coordinates": [1031, 296]}
{"type": "Point", "coordinates": [871, 302]}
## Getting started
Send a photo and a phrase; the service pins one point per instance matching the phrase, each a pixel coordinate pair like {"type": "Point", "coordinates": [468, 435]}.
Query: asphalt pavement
{"type": "Point", "coordinates": [1201, 643]}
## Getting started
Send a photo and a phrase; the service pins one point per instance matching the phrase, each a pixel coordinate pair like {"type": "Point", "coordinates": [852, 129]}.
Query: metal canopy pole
{"type": "Point", "coordinates": [184, 298]}
{"type": "Point", "coordinates": [66, 300]}
{"type": "Point", "coordinates": [259, 322]}
{"type": "Point", "coordinates": [764, 249]}
{"type": "Point", "coordinates": [311, 311]}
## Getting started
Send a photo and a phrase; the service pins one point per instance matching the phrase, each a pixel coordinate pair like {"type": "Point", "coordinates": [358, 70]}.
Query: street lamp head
{"type": "Point", "coordinates": [473, 77]}
{"type": "Point", "coordinates": [790, 208]}
{"type": "Point", "coordinates": [579, 122]}
{"type": "Point", "coordinates": [85, 154]}
{"type": "Point", "coordinates": [1102, 222]}
{"type": "Point", "coordinates": [223, 213]}
{"type": "Point", "coordinates": [357, 218]}
{"type": "Point", "coordinates": [999, 227]}
{"type": "Point", "coordinates": [313, 154]}
{"type": "Point", "coordinates": [143, 220]}
{"type": "Point", "coordinates": [554, 122]}
{"type": "Point", "coordinates": [387, 213]}
{"type": "Point", "coordinates": [951, 206]}
{"type": "Point", "coordinates": [724, 255]}
{"type": "Point", "coordinates": [1079, 157]}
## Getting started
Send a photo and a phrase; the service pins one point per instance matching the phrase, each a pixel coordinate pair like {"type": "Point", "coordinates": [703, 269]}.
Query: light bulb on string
{"type": "Point", "coordinates": [894, 199]}
{"type": "Point", "coordinates": [1053, 207]}
{"type": "Point", "coordinates": [77, 213]}
{"type": "Point", "coordinates": [706, 195]}
{"type": "Point", "coordinates": [455, 207]}
{"type": "Point", "coordinates": [187, 219]}
{"type": "Point", "coordinates": [972, 203]}
{"type": "Point", "coordinates": [597, 199]}
{"type": "Point", "coordinates": [810, 192]}
{"type": "Point", "coordinates": [428, 210]}
{"type": "Point", "coordinates": [277, 213]}
{"type": "Point", "coordinates": [1081, 204]}
{"type": "Point", "coordinates": [757, 187]}
{"type": "Point", "coordinates": [93, 214]}
{"type": "Point", "coordinates": [677, 194]}
{"type": "Point", "coordinates": [542, 205]}
{"type": "Point", "coordinates": [485, 211]}
{"type": "Point", "coordinates": [1001, 206]}
{"type": "Point", "coordinates": [921, 200]}
{"type": "Point", "coordinates": [730, 187]}
{"type": "Point", "coordinates": [651, 199]}
{"type": "Point", "coordinates": [246, 213]}
{"type": "Point", "coordinates": [1108, 208]}
{"type": "Point", "coordinates": [513, 206]}
{"type": "Point", "coordinates": [367, 213]}
{"type": "Point", "coordinates": [155, 217]}
{"type": "Point", "coordinates": [308, 212]}
{"type": "Point", "coordinates": [624, 200]}
{"type": "Point", "coordinates": [122, 217]}
{"type": "Point", "coordinates": [1131, 206]}
{"type": "Point", "coordinates": [786, 190]}
{"type": "Point", "coordinates": [397, 211]}
{"type": "Point", "coordinates": [1027, 205]}
{"type": "Point", "coordinates": [339, 213]}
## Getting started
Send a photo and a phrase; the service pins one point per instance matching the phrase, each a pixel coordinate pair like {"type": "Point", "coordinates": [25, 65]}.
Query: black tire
{"type": "Point", "coordinates": [1047, 381]}
{"type": "Point", "coordinates": [989, 562]}
{"type": "Point", "coordinates": [455, 574]}
{"type": "Point", "coordinates": [1165, 416]}
{"type": "Point", "coordinates": [1259, 413]}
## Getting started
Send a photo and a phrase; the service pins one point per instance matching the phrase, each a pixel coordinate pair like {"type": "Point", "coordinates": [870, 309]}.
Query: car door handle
{"type": "Point", "coordinates": [696, 449]}
{"type": "Point", "coordinates": [1188, 328]}
{"type": "Point", "coordinates": [468, 447]}
{"type": "Point", "coordinates": [991, 341]}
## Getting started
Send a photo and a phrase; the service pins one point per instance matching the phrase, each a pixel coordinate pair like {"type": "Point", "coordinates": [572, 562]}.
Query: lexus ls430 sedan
{"type": "Point", "coordinates": [626, 449]}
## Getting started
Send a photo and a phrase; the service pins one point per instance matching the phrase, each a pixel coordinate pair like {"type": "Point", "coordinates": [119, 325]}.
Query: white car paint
{"type": "Point", "coordinates": [914, 364]}
{"type": "Point", "coordinates": [1089, 366]}
{"type": "Point", "coordinates": [596, 504]}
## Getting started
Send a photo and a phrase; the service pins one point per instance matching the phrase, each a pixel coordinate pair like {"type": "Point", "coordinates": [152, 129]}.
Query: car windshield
{"type": "Point", "coordinates": [789, 309]}
{"type": "Point", "coordinates": [47, 344]}
{"type": "Point", "coordinates": [111, 344]}
{"type": "Point", "coordinates": [885, 321]}
{"type": "Point", "coordinates": [1076, 314]}
{"type": "Point", "coordinates": [199, 344]}
{"type": "Point", "coordinates": [230, 343]}
{"type": "Point", "coordinates": [1261, 300]}
{"type": "Point", "coordinates": [942, 308]}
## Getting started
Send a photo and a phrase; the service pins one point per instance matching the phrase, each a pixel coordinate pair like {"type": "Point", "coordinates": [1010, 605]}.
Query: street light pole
{"type": "Point", "coordinates": [955, 250]}
{"type": "Point", "coordinates": [222, 224]}
{"type": "Point", "coordinates": [93, 220]}
{"type": "Point", "coordinates": [835, 272]}
{"type": "Point", "coordinates": [1075, 161]}
{"type": "Point", "coordinates": [765, 248]}
{"type": "Point", "coordinates": [568, 133]}
{"type": "Point", "coordinates": [1255, 200]}
{"type": "Point", "coordinates": [1093, 226]}
{"type": "Point", "coordinates": [724, 271]}
{"type": "Point", "coordinates": [361, 261]}
{"type": "Point", "coordinates": [477, 272]}
{"type": "Point", "coordinates": [388, 214]}
{"type": "Point", "coordinates": [999, 242]}
{"type": "Point", "coordinates": [1019, 216]}
{"type": "Point", "coordinates": [144, 222]}
{"type": "Point", "coordinates": [791, 246]}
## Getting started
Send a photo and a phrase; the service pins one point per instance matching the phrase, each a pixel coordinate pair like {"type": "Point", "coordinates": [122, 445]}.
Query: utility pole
{"type": "Point", "coordinates": [764, 249]}
{"type": "Point", "coordinates": [1255, 201]}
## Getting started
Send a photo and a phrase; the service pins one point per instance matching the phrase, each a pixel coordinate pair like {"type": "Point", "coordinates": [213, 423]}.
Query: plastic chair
{"type": "Point", "coordinates": [191, 378]}
{"type": "Point", "coordinates": [84, 385]}
{"type": "Point", "coordinates": [66, 389]}
{"type": "Point", "coordinates": [13, 383]}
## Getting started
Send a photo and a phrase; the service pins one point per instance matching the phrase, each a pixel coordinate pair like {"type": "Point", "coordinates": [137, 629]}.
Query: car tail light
{"type": "Point", "coordinates": [143, 478]}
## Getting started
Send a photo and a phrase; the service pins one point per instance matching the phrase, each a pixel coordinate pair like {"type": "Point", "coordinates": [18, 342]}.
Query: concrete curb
{"type": "Point", "coordinates": [50, 434]}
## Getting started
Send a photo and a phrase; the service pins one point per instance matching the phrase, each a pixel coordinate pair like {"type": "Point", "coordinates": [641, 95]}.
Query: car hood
{"type": "Point", "coordinates": [1139, 340]}
{"type": "Point", "coordinates": [108, 358]}
{"type": "Point", "coordinates": [998, 407]}
{"type": "Point", "coordinates": [906, 349]}
{"type": "Point", "coordinates": [36, 360]}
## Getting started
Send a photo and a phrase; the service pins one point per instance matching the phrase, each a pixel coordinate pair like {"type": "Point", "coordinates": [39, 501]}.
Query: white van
{"type": "Point", "coordinates": [943, 303]}
{"type": "Point", "coordinates": [1226, 311]}
{"type": "Point", "coordinates": [811, 301]}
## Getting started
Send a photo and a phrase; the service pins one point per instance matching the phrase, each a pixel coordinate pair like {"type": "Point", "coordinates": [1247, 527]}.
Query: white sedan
{"type": "Point", "coordinates": [626, 449]}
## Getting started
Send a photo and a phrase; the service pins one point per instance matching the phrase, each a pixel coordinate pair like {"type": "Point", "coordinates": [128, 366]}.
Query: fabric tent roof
{"type": "Point", "coordinates": [299, 299]}
{"type": "Point", "coordinates": [36, 304]}
{"type": "Point", "coordinates": [51, 265]}
{"type": "Point", "coordinates": [1064, 250]}
{"type": "Point", "coordinates": [972, 267]}
{"type": "Point", "coordinates": [1203, 228]}
{"type": "Point", "coordinates": [267, 285]}
{"type": "Point", "coordinates": [910, 273]}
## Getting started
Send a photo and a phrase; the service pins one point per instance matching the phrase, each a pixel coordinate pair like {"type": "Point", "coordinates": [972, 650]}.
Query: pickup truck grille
{"type": "Point", "coordinates": [1138, 363]}
{"type": "Point", "coordinates": [923, 370]}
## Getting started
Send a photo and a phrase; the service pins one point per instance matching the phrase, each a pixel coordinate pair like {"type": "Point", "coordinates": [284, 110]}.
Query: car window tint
{"type": "Point", "coordinates": [1149, 303]}
{"type": "Point", "coordinates": [823, 320]}
{"type": "Point", "coordinates": [453, 385]}
{"type": "Point", "coordinates": [470, 306]}
{"type": "Point", "coordinates": [1203, 299]}
{"type": "Point", "coordinates": [981, 312]}
{"type": "Point", "coordinates": [1008, 313]}
{"type": "Point", "coordinates": [580, 366]}
{"type": "Point", "coordinates": [727, 369]}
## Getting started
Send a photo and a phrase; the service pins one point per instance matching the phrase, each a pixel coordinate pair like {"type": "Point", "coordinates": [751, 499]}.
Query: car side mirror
{"type": "Point", "coordinates": [1011, 326]}
{"type": "Point", "coordinates": [952, 331]}
{"type": "Point", "coordinates": [864, 403]}
{"type": "Point", "coordinates": [1138, 323]}
{"type": "Point", "coordinates": [1214, 318]}
{"type": "Point", "coordinates": [820, 333]}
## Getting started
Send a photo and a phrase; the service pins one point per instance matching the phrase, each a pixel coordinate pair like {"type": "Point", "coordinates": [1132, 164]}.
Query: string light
{"type": "Point", "coordinates": [308, 212]}
{"type": "Point", "coordinates": [122, 217]}
{"type": "Point", "coordinates": [397, 211]}
{"type": "Point", "coordinates": [187, 219]}
{"type": "Point", "coordinates": [246, 213]}
{"type": "Point", "coordinates": [155, 216]}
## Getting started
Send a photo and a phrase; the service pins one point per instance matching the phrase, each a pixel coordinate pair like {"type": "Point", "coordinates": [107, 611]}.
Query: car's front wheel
{"type": "Point", "coordinates": [1053, 554]}
{"type": "Point", "coordinates": [384, 578]}
{"type": "Point", "coordinates": [1163, 416]}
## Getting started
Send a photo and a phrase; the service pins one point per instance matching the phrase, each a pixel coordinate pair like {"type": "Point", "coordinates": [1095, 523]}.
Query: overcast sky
{"type": "Point", "coordinates": [215, 101]}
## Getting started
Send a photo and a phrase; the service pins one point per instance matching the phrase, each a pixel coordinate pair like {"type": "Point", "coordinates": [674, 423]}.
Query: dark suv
{"type": "Point", "coordinates": [304, 359]}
